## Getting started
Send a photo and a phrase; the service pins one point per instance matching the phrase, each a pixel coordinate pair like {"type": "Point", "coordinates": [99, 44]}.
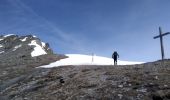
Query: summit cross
{"type": "Point", "coordinates": [161, 41]}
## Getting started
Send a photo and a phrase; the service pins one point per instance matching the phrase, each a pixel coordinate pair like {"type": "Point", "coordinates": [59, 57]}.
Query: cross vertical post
{"type": "Point", "coordinates": [92, 57]}
{"type": "Point", "coordinates": [161, 43]}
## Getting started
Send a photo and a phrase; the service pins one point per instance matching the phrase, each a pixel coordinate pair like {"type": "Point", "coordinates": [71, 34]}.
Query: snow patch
{"type": "Point", "coordinates": [1, 52]}
{"type": "Point", "coordinates": [43, 44]}
{"type": "Point", "coordinates": [1, 39]}
{"type": "Point", "coordinates": [16, 47]}
{"type": "Point", "coordinates": [24, 39]}
{"type": "Point", "coordinates": [78, 59]}
{"type": "Point", "coordinates": [8, 35]}
{"type": "Point", "coordinates": [1, 46]}
{"type": "Point", "coordinates": [38, 50]}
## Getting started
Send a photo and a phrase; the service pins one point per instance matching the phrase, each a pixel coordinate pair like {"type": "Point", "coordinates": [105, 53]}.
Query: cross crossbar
{"type": "Point", "coordinates": [161, 35]}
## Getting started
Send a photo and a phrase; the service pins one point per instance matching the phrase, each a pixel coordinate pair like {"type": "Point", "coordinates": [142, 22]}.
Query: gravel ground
{"type": "Point", "coordinates": [149, 81]}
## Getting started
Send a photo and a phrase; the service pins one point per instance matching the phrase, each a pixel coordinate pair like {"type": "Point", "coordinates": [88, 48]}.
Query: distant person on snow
{"type": "Point", "coordinates": [115, 55]}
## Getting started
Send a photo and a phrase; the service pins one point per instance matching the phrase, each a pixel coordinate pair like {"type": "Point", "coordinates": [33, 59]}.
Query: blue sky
{"type": "Point", "coordinates": [92, 26]}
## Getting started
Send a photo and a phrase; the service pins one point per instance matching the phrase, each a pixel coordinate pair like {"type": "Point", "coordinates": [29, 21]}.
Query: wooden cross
{"type": "Point", "coordinates": [161, 40]}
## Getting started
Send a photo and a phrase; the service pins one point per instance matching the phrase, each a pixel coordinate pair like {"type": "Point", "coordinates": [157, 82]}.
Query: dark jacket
{"type": "Point", "coordinates": [115, 55]}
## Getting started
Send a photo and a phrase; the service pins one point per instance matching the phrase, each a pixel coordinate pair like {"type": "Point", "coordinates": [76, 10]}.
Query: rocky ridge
{"type": "Point", "coordinates": [23, 50]}
{"type": "Point", "coordinates": [20, 45]}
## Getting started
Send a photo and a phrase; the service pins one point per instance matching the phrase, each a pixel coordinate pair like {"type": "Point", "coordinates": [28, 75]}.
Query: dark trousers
{"type": "Point", "coordinates": [115, 60]}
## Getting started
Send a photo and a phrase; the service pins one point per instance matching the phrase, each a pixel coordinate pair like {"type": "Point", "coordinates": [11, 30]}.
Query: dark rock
{"type": "Point", "coordinates": [156, 97]}
{"type": "Point", "coordinates": [62, 81]}
{"type": "Point", "coordinates": [167, 96]}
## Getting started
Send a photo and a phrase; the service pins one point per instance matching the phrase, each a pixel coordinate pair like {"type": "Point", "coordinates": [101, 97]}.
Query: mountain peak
{"type": "Point", "coordinates": [23, 45]}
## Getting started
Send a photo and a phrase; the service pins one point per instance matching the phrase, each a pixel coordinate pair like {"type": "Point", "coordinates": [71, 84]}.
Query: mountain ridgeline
{"type": "Point", "coordinates": [20, 50]}
{"type": "Point", "coordinates": [20, 46]}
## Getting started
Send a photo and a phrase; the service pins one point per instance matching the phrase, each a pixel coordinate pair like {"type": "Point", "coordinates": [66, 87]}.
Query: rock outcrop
{"type": "Point", "coordinates": [24, 50]}
{"type": "Point", "coordinates": [13, 45]}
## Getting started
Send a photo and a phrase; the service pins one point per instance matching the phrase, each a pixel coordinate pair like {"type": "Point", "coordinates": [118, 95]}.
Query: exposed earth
{"type": "Point", "coordinates": [149, 81]}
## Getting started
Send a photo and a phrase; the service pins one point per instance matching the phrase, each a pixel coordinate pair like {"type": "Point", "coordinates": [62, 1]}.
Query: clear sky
{"type": "Point", "coordinates": [92, 26]}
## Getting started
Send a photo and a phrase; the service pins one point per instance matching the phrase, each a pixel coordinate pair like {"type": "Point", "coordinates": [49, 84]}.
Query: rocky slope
{"type": "Point", "coordinates": [20, 79]}
{"type": "Point", "coordinates": [150, 81]}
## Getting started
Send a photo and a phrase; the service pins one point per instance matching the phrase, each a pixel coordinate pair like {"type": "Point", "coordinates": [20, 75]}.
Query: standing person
{"type": "Point", "coordinates": [115, 55]}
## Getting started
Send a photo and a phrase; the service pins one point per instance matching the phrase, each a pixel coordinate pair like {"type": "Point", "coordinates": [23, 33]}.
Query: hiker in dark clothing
{"type": "Point", "coordinates": [115, 55]}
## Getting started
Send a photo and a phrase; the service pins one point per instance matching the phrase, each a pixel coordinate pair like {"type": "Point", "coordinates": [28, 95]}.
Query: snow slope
{"type": "Point", "coordinates": [24, 39]}
{"type": "Point", "coordinates": [38, 50]}
{"type": "Point", "coordinates": [8, 35]}
{"type": "Point", "coordinates": [78, 59]}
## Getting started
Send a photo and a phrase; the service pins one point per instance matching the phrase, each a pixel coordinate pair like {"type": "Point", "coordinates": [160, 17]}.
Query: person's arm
{"type": "Point", "coordinates": [118, 55]}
